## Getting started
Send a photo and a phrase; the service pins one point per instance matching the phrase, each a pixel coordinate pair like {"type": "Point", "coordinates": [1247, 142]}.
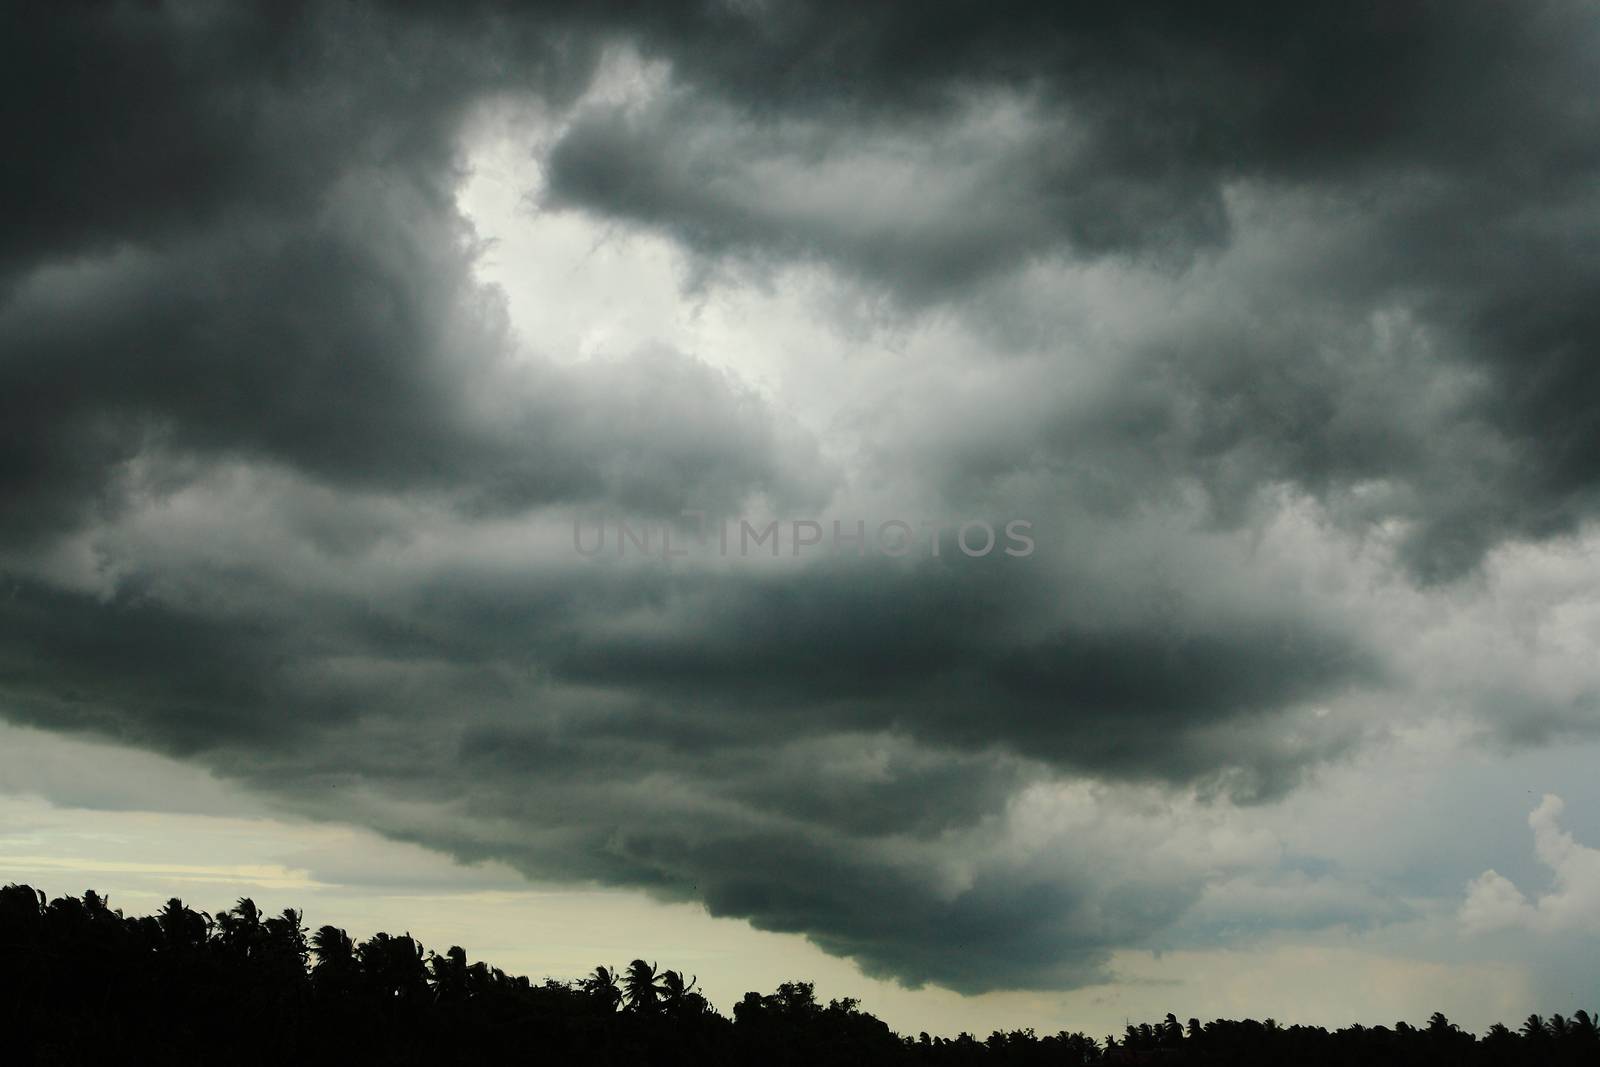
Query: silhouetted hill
{"type": "Point", "coordinates": [85, 984]}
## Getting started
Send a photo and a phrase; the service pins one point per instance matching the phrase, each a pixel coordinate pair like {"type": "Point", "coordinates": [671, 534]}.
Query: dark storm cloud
{"type": "Point", "coordinates": [924, 648]}
{"type": "Point", "coordinates": [965, 204]}
{"type": "Point", "coordinates": [654, 666]}
{"type": "Point", "coordinates": [240, 237]}
{"type": "Point", "coordinates": [238, 284]}
{"type": "Point", "coordinates": [795, 751]}
{"type": "Point", "coordinates": [1051, 926]}
{"type": "Point", "coordinates": [1457, 138]}
{"type": "Point", "coordinates": [142, 122]}
{"type": "Point", "coordinates": [1138, 114]}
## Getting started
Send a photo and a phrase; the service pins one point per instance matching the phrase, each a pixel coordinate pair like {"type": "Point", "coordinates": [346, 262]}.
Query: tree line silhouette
{"type": "Point", "coordinates": [83, 983]}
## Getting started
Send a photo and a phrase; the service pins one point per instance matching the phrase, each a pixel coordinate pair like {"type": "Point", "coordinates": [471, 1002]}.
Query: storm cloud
{"type": "Point", "coordinates": [1275, 323]}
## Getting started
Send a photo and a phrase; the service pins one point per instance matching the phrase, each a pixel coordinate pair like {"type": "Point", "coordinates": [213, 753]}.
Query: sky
{"type": "Point", "coordinates": [1212, 391]}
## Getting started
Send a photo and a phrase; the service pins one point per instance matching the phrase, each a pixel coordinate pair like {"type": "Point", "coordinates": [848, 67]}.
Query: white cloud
{"type": "Point", "coordinates": [1571, 906]}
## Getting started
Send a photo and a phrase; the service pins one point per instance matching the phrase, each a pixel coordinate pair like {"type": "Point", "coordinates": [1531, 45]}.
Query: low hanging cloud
{"type": "Point", "coordinates": [1266, 331]}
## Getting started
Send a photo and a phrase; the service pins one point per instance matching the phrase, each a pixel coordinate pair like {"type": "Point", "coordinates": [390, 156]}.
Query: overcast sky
{"type": "Point", "coordinates": [324, 328]}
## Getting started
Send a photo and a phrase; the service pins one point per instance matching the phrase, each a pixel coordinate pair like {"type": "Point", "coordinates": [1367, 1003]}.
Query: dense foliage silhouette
{"type": "Point", "coordinates": [82, 983]}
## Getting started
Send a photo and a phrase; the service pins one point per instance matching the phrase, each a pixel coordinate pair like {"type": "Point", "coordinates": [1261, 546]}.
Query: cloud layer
{"type": "Point", "coordinates": [1276, 327]}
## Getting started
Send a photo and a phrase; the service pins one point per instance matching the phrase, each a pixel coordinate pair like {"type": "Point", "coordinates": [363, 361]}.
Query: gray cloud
{"type": "Point", "coordinates": [927, 207]}
{"type": "Point", "coordinates": [928, 151]}
{"type": "Point", "coordinates": [289, 280]}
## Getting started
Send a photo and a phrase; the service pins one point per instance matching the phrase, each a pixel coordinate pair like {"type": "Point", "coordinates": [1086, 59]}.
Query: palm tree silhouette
{"type": "Point", "coordinates": [642, 987]}
{"type": "Point", "coordinates": [602, 987]}
{"type": "Point", "coordinates": [240, 928]}
{"type": "Point", "coordinates": [393, 967]}
{"type": "Point", "coordinates": [336, 970]}
{"type": "Point", "coordinates": [181, 926]}
{"type": "Point", "coordinates": [678, 997]}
